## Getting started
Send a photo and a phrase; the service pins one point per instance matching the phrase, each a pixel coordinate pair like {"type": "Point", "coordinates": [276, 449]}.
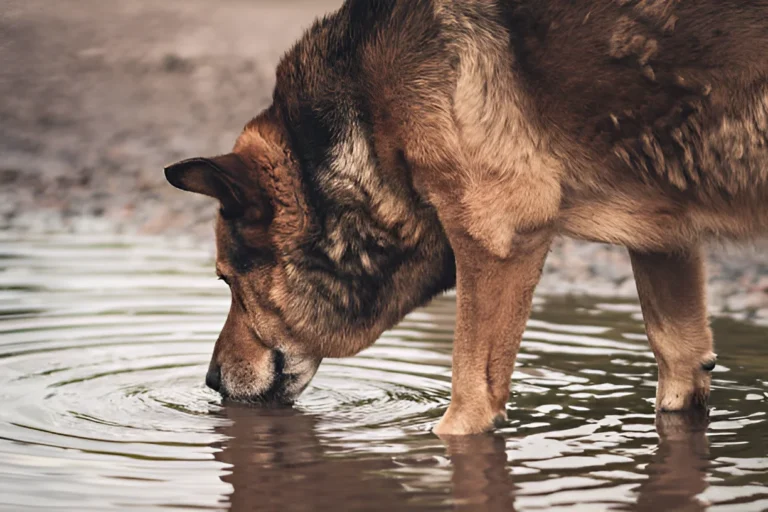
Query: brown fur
{"type": "Point", "coordinates": [414, 145]}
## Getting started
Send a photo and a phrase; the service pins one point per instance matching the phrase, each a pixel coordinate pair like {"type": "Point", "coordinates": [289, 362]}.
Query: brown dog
{"type": "Point", "coordinates": [414, 145]}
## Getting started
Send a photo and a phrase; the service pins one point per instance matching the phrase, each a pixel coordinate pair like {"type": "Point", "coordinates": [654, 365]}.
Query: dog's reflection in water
{"type": "Point", "coordinates": [279, 462]}
{"type": "Point", "coordinates": [481, 478]}
{"type": "Point", "coordinates": [678, 472]}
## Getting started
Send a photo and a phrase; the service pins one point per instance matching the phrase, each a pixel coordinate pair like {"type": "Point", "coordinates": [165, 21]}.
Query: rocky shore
{"type": "Point", "coordinates": [98, 96]}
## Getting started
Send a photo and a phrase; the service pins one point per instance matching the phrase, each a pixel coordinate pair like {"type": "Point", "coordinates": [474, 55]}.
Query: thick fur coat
{"type": "Point", "coordinates": [417, 145]}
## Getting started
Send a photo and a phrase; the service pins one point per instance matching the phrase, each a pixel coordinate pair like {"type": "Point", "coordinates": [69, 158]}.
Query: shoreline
{"type": "Point", "coordinates": [737, 277]}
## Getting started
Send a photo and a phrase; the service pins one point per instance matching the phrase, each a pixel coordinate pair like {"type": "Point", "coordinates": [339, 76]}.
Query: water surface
{"type": "Point", "coordinates": [104, 344]}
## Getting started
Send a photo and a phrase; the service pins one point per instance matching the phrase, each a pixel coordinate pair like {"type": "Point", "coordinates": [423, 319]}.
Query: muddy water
{"type": "Point", "coordinates": [104, 345]}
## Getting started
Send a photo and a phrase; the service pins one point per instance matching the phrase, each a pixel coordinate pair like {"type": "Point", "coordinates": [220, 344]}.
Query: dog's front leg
{"type": "Point", "coordinates": [493, 303]}
{"type": "Point", "coordinates": [672, 295]}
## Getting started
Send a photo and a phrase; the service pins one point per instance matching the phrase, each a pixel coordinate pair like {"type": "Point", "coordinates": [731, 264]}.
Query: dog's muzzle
{"type": "Point", "coordinates": [277, 381]}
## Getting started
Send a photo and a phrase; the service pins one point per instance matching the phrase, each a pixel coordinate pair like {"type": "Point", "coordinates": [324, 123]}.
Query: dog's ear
{"type": "Point", "coordinates": [220, 177]}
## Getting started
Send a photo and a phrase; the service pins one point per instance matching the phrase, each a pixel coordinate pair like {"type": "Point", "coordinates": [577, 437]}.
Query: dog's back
{"type": "Point", "coordinates": [672, 89]}
{"type": "Point", "coordinates": [637, 122]}
{"type": "Point", "coordinates": [648, 119]}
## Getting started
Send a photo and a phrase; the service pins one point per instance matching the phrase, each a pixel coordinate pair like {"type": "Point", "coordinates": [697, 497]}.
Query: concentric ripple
{"type": "Point", "coordinates": [104, 344]}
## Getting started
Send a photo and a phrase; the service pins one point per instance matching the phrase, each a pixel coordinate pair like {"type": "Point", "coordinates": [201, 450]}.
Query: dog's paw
{"type": "Point", "coordinates": [456, 422]}
{"type": "Point", "coordinates": [686, 391]}
{"type": "Point", "coordinates": [683, 400]}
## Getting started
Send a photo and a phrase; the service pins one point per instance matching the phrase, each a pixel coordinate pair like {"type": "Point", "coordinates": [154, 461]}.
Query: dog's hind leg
{"type": "Point", "coordinates": [494, 297]}
{"type": "Point", "coordinates": [671, 287]}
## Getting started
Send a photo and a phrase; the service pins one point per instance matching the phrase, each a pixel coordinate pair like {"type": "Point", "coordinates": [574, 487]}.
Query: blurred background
{"type": "Point", "coordinates": [97, 96]}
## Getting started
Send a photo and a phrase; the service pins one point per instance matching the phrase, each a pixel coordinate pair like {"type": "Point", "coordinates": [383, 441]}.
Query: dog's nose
{"type": "Point", "coordinates": [213, 377]}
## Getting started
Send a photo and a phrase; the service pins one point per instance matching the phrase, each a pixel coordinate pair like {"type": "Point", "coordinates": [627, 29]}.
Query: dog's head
{"type": "Point", "coordinates": [301, 290]}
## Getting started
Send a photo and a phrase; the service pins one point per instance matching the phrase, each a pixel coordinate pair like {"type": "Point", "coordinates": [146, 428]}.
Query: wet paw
{"type": "Point", "coordinates": [684, 387]}
{"type": "Point", "coordinates": [698, 400]}
{"type": "Point", "coordinates": [683, 396]}
{"type": "Point", "coordinates": [457, 423]}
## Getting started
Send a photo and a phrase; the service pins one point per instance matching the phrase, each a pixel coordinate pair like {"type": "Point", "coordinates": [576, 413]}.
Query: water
{"type": "Point", "coordinates": [104, 345]}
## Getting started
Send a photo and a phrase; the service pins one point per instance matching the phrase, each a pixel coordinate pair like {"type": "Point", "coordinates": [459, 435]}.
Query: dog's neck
{"type": "Point", "coordinates": [375, 250]}
{"type": "Point", "coordinates": [363, 225]}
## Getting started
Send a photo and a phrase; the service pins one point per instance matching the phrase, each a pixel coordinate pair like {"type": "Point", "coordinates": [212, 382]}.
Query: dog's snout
{"type": "Point", "coordinates": [213, 377]}
{"type": "Point", "coordinates": [274, 378]}
{"type": "Point", "coordinates": [276, 391]}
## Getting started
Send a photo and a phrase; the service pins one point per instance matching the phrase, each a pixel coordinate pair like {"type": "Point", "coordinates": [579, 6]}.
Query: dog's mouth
{"type": "Point", "coordinates": [275, 397]}
{"type": "Point", "coordinates": [289, 379]}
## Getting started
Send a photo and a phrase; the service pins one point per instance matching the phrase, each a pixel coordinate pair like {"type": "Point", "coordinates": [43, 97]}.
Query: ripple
{"type": "Point", "coordinates": [104, 344]}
